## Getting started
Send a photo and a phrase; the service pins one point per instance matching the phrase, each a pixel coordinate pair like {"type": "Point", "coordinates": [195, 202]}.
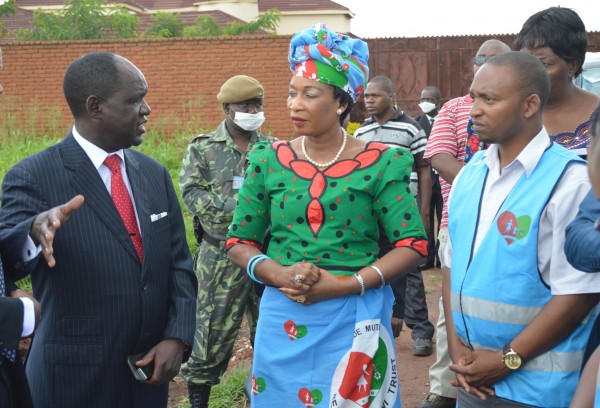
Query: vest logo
{"type": "Point", "coordinates": [512, 228]}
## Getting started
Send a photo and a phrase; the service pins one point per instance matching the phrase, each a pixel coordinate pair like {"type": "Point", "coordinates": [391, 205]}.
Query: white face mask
{"type": "Point", "coordinates": [249, 121]}
{"type": "Point", "coordinates": [427, 107]}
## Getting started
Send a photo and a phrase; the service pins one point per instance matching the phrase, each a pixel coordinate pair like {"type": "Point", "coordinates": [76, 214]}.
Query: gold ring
{"type": "Point", "coordinates": [301, 299]}
{"type": "Point", "coordinates": [298, 278]}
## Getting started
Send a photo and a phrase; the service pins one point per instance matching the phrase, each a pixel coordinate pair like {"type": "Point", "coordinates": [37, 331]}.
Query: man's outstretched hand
{"type": "Point", "coordinates": [47, 223]}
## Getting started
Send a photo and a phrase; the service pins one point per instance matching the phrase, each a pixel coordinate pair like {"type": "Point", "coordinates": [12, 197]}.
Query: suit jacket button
{"type": "Point", "coordinates": [145, 287]}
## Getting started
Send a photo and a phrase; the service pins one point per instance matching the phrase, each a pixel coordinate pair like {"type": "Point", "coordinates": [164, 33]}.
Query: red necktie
{"type": "Point", "coordinates": [122, 201]}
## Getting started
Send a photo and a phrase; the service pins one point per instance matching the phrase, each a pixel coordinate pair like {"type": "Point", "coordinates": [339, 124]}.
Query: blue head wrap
{"type": "Point", "coordinates": [323, 55]}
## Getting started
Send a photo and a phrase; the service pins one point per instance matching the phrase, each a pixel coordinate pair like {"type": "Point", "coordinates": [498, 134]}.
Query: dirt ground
{"type": "Point", "coordinates": [413, 371]}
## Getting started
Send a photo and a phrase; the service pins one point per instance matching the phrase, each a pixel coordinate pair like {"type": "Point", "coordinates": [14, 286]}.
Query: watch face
{"type": "Point", "coordinates": [512, 360]}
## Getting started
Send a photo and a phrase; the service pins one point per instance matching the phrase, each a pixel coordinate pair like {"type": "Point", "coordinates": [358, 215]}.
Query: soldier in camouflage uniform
{"type": "Point", "coordinates": [211, 174]}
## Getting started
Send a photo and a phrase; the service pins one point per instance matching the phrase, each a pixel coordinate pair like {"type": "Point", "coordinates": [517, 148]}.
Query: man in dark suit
{"type": "Point", "coordinates": [430, 103]}
{"type": "Point", "coordinates": [119, 280]}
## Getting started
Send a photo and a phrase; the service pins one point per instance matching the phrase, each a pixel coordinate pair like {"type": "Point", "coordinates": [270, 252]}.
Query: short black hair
{"type": "Point", "coordinates": [92, 74]}
{"type": "Point", "coordinates": [387, 83]}
{"type": "Point", "coordinates": [558, 28]}
{"type": "Point", "coordinates": [529, 72]}
{"type": "Point", "coordinates": [345, 99]}
{"type": "Point", "coordinates": [435, 90]}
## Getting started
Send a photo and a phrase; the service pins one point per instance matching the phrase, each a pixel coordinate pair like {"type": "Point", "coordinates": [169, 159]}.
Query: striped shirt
{"type": "Point", "coordinates": [449, 135]}
{"type": "Point", "coordinates": [401, 130]}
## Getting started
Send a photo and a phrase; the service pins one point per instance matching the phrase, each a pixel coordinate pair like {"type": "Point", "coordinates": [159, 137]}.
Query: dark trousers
{"type": "Point", "coordinates": [409, 291]}
{"type": "Point", "coordinates": [435, 216]}
{"type": "Point", "coordinates": [14, 389]}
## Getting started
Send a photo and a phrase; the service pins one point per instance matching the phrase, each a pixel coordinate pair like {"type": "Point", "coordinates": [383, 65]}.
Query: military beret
{"type": "Point", "coordinates": [240, 88]}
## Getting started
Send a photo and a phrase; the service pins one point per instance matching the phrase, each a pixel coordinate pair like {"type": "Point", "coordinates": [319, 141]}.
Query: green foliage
{"type": "Point", "coordinates": [165, 25]}
{"type": "Point", "coordinates": [267, 22]}
{"type": "Point", "coordinates": [7, 9]}
{"type": "Point", "coordinates": [93, 19]}
{"type": "Point", "coordinates": [229, 393]}
{"type": "Point", "coordinates": [80, 20]}
{"type": "Point", "coordinates": [206, 26]}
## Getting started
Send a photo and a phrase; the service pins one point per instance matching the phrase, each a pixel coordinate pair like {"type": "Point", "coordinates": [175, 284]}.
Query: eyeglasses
{"type": "Point", "coordinates": [479, 60]}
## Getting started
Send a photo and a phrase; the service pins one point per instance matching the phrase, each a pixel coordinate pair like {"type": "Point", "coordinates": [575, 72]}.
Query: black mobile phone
{"type": "Point", "coordinates": [143, 373]}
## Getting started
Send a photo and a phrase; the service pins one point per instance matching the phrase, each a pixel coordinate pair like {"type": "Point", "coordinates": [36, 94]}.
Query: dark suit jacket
{"type": "Point", "coordinates": [99, 303]}
{"type": "Point", "coordinates": [423, 120]}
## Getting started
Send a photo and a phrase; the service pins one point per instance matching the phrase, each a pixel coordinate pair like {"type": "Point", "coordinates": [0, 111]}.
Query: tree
{"type": "Point", "coordinates": [206, 26]}
{"type": "Point", "coordinates": [165, 25]}
{"type": "Point", "coordinates": [7, 8]}
{"type": "Point", "coordinates": [81, 20]}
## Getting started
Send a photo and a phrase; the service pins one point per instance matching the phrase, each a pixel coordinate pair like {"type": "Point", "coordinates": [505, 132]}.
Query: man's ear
{"type": "Point", "coordinates": [532, 105]}
{"type": "Point", "coordinates": [93, 106]}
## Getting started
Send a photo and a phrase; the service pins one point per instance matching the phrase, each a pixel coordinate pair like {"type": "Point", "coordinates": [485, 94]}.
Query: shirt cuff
{"type": "Point", "coordinates": [30, 250]}
{"type": "Point", "coordinates": [28, 317]}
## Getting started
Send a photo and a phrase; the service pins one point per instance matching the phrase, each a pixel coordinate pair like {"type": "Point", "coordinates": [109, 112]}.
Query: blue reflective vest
{"type": "Point", "coordinates": [497, 291]}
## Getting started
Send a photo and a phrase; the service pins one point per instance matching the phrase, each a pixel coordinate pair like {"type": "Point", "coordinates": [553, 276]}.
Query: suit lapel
{"type": "Point", "coordinates": [87, 182]}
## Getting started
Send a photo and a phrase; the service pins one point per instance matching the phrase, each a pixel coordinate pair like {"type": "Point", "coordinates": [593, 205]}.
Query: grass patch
{"type": "Point", "coordinates": [229, 393]}
{"type": "Point", "coordinates": [435, 278]}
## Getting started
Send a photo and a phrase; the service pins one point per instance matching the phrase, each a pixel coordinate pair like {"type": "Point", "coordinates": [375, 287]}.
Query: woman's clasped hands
{"type": "Point", "coordinates": [306, 283]}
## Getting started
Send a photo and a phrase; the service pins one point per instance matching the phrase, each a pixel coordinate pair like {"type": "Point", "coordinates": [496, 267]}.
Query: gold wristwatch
{"type": "Point", "coordinates": [511, 358]}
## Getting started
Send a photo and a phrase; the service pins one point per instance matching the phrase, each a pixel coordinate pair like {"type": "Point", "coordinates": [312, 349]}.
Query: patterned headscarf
{"type": "Point", "coordinates": [335, 59]}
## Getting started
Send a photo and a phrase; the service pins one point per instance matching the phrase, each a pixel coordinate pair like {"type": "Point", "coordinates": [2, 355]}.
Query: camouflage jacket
{"type": "Point", "coordinates": [207, 174]}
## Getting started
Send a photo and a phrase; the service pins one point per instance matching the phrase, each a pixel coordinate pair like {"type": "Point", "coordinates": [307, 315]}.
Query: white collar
{"type": "Point", "coordinates": [529, 156]}
{"type": "Point", "coordinates": [96, 154]}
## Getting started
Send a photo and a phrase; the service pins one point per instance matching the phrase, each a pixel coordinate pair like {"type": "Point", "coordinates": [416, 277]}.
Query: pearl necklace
{"type": "Point", "coordinates": [329, 163]}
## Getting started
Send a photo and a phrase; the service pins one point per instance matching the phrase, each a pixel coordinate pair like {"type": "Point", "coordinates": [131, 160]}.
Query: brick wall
{"type": "Point", "coordinates": [184, 75]}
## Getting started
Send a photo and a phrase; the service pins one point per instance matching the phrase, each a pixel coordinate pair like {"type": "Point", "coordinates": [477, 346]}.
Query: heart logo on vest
{"type": "Point", "coordinates": [258, 385]}
{"type": "Point", "coordinates": [294, 332]}
{"type": "Point", "coordinates": [310, 398]}
{"type": "Point", "coordinates": [512, 228]}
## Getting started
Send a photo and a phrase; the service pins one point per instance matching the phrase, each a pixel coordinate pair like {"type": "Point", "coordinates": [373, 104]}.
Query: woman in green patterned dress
{"type": "Point", "coordinates": [324, 335]}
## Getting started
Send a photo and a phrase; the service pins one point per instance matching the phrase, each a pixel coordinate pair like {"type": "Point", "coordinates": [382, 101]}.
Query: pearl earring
{"type": "Point", "coordinates": [339, 111]}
